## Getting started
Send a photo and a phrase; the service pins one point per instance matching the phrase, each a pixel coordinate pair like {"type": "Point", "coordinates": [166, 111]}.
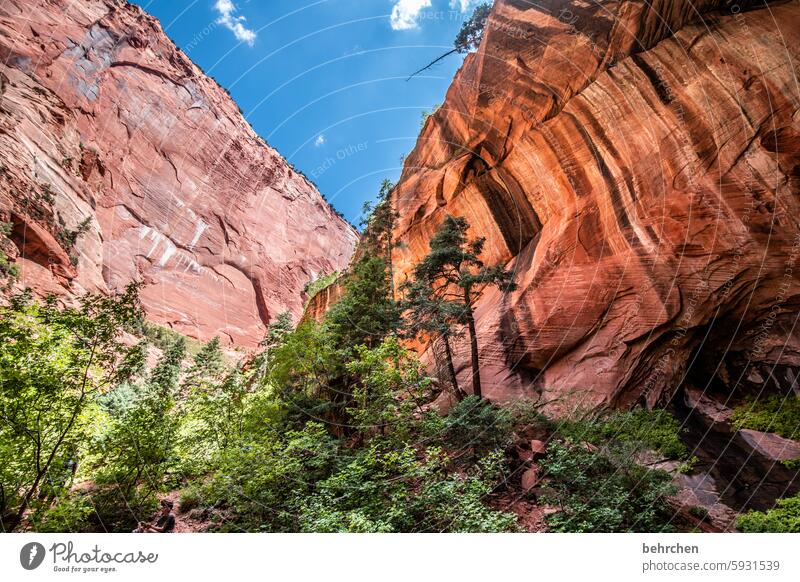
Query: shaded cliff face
{"type": "Point", "coordinates": [637, 165]}
{"type": "Point", "coordinates": [105, 122]}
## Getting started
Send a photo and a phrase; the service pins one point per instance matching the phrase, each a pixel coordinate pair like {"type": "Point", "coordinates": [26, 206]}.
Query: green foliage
{"type": "Point", "coordinates": [70, 514]}
{"type": "Point", "coordinates": [318, 284]}
{"type": "Point", "coordinates": [426, 113]}
{"type": "Point", "coordinates": [136, 451]}
{"type": "Point", "coordinates": [190, 499]}
{"type": "Point", "coordinates": [785, 518]}
{"type": "Point", "coordinates": [366, 313]}
{"type": "Point", "coordinates": [471, 33]}
{"type": "Point", "coordinates": [597, 493]}
{"type": "Point", "coordinates": [208, 366]}
{"type": "Point", "coordinates": [389, 489]}
{"type": "Point", "coordinates": [164, 376]}
{"type": "Point", "coordinates": [68, 237]}
{"type": "Point", "coordinates": [53, 363]}
{"type": "Point", "coordinates": [8, 270]}
{"type": "Point", "coordinates": [773, 413]}
{"type": "Point", "coordinates": [477, 424]}
{"type": "Point", "coordinates": [162, 337]}
{"type": "Point", "coordinates": [392, 387]}
{"type": "Point", "coordinates": [304, 365]}
{"type": "Point", "coordinates": [264, 476]}
{"type": "Point", "coordinates": [468, 38]}
{"type": "Point", "coordinates": [445, 286]}
{"type": "Point", "coordinates": [635, 430]}
{"type": "Point", "coordinates": [378, 237]}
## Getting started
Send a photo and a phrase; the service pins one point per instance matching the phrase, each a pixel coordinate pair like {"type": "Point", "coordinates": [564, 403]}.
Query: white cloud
{"type": "Point", "coordinates": [463, 5]}
{"type": "Point", "coordinates": [235, 24]}
{"type": "Point", "coordinates": [320, 141]}
{"type": "Point", "coordinates": [405, 13]}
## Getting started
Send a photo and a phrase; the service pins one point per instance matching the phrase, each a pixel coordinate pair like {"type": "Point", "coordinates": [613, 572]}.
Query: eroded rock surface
{"type": "Point", "coordinates": [104, 120]}
{"type": "Point", "coordinates": [638, 166]}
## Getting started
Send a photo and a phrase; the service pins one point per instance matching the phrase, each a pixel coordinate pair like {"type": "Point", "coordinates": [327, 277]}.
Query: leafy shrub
{"type": "Point", "coordinates": [478, 424]}
{"type": "Point", "coordinates": [784, 518]}
{"type": "Point", "coordinates": [262, 477]}
{"type": "Point", "coordinates": [637, 429]}
{"type": "Point", "coordinates": [596, 494]}
{"type": "Point", "coordinates": [381, 489]}
{"type": "Point", "coordinates": [69, 514]}
{"type": "Point", "coordinates": [456, 503]}
{"type": "Point", "coordinates": [120, 510]}
{"type": "Point", "coordinates": [367, 493]}
{"type": "Point", "coordinates": [190, 499]}
{"type": "Point", "coordinates": [773, 413]}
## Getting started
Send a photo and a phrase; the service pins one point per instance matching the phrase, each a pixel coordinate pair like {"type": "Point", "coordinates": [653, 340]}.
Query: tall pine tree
{"type": "Point", "coordinates": [447, 284]}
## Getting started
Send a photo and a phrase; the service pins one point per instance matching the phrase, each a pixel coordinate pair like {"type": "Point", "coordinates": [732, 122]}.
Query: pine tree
{"type": "Point", "coordinates": [435, 318]}
{"type": "Point", "coordinates": [468, 38]}
{"type": "Point", "coordinates": [367, 311]}
{"type": "Point", "coordinates": [165, 374]}
{"type": "Point", "coordinates": [208, 365]}
{"type": "Point", "coordinates": [449, 281]}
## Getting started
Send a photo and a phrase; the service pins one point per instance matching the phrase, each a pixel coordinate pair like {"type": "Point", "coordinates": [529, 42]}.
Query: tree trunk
{"type": "Point", "coordinates": [473, 348]}
{"type": "Point", "coordinates": [451, 369]}
{"type": "Point", "coordinates": [26, 501]}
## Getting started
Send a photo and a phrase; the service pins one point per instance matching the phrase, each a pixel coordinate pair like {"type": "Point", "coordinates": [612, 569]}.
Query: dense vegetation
{"type": "Point", "coordinates": [329, 427]}
{"type": "Point", "coordinates": [785, 518]}
{"type": "Point", "coordinates": [770, 413]}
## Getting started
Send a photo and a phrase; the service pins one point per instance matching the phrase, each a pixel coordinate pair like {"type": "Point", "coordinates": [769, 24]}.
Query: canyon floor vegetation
{"type": "Point", "coordinates": [330, 427]}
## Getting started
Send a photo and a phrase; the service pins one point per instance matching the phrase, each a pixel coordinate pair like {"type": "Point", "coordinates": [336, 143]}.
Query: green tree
{"type": "Point", "coordinates": [367, 312]}
{"type": "Point", "coordinates": [434, 318]}
{"type": "Point", "coordinates": [392, 386]}
{"type": "Point", "coordinates": [52, 363]}
{"type": "Point", "coordinates": [449, 281]}
{"type": "Point", "coordinates": [208, 366]}
{"type": "Point", "coordinates": [468, 38]}
{"type": "Point", "coordinates": [138, 446]}
{"type": "Point", "coordinates": [277, 332]}
{"type": "Point", "coordinates": [164, 376]}
{"type": "Point", "coordinates": [378, 237]}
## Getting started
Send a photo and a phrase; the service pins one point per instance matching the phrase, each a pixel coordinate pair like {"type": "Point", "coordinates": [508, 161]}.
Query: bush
{"type": "Point", "coordinates": [262, 478]}
{"type": "Point", "coordinates": [116, 510]}
{"type": "Point", "coordinates": [785, 518]}
{"type": "Point", "coordinates": [773, 413]}
{"type": "Point", "coordinates": [190, 499]}
{"type": "Point", "coordinates": [596, 494]}
{"type": "Point", "coordinates": [318, 284]}
{"type": "Point", "coordinates": [476, 423]}
{"type": "Point", "coordinates": [381, 489]}
{"type": "Point", "coordinates": [70, 514]}
{"type": "Point", "coordinates": [635, 429]}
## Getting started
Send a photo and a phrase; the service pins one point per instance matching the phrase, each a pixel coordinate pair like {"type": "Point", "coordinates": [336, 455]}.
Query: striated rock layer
{"type": "Point", "coordinates": [103, 121]}
{"type": "Point", "coordinates": [638, 165]}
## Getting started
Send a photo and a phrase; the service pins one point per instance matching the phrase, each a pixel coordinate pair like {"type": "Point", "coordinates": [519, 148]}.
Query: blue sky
{"type": "Point", "coordinates": [323, 81]}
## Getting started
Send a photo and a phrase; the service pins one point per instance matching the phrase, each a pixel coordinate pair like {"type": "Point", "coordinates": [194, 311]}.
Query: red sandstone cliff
{"type": "Point", "coordinates": [638, 165]}
{"type": "Point", "coordinates": [104, 120]}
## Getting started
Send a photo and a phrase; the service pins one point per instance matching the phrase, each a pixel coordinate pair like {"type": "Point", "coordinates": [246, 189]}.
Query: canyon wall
{"type": "Point", "coordinates": [120, 160]}
{"type": "Point", "coordinates": [637, 165]}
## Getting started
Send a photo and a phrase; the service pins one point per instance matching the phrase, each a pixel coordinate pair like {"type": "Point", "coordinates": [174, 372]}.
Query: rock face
{"type": "Point", "coordinates": [104, 123]}
{"type": "Point", "coordinates": [637, 164]}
